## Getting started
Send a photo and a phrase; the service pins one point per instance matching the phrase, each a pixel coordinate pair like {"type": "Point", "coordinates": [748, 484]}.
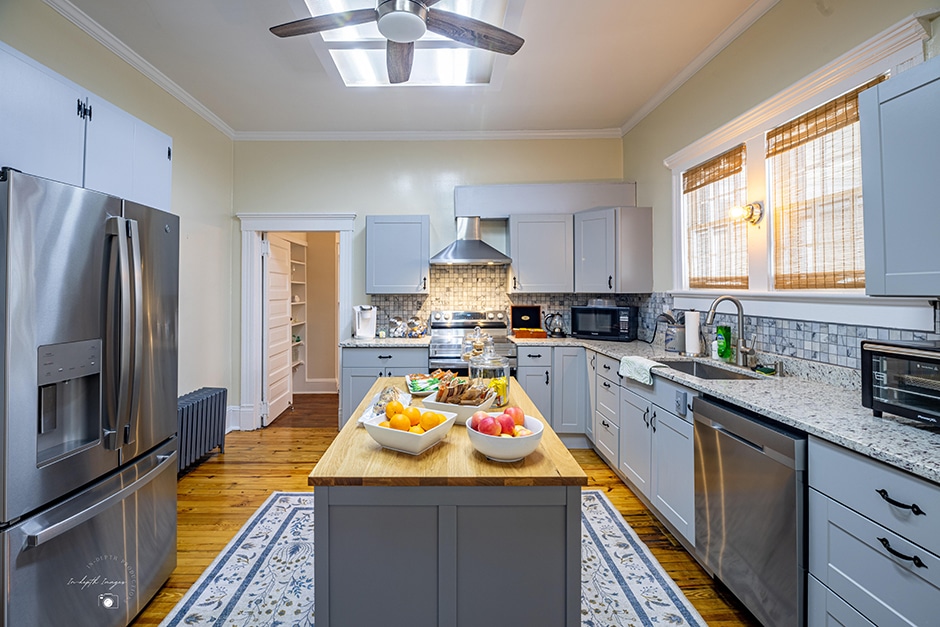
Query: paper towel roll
{"type": "Point", "coordinates": [692, 335]}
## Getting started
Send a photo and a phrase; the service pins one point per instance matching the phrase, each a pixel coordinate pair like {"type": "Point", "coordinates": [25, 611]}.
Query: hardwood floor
{"type": "Point", "coordinates": [218, 496]}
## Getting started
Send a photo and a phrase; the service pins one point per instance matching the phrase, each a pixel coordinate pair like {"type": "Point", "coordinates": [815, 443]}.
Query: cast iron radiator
{"type": "Point", "coordinates": [200, 424]}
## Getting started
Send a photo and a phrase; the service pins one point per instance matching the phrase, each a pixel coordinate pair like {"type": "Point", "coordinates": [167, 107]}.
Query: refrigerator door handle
{"type": "Point", "coordinates": [38, 538]}
{"type": "Point", "coordinates": [138, 287]}
{"type": "Point", "coordinates": [118, 400]}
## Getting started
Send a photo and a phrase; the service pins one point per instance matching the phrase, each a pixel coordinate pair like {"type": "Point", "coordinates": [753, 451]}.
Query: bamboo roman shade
{"type": "Point", "coordinates": [716, 247]}
{"type": "Point", "coordinates": [816, 197]}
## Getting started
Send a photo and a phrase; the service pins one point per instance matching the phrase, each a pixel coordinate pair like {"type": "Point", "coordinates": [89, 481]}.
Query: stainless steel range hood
{"type": "Point", "coordinates": [469, 249]}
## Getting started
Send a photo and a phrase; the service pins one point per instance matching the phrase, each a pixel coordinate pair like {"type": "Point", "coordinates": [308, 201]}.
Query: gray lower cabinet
{"type": "Point", "coordinates": [824, 608]}
{"type": "Point", "coordinates": [590, 362]}
{"type": "Point", "coordinates": [534, 374]}
{"type": "Point", "coordinates": [569, 390]}
{"type": "Point", "coordinates": [362, 366]}
{"type": "Point", "coordinates": [873, 542]}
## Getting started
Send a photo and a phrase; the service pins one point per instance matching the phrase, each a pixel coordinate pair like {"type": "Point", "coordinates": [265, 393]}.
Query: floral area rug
{"type": "Point", "coordinates": [264, 577]}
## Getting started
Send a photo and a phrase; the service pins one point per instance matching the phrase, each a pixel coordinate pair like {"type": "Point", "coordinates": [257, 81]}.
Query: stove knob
{"type": "Point", "coordinates": [490, 315]}
{"type": "Point", "coordinates": [437, 315]}
{"type": "Point", "coordinates": [499, 316]}
{"type": "Point", "coordinates": [446, 315]}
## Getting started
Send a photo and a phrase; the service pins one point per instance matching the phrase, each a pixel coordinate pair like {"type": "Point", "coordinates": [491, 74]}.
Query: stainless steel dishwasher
{"type": "Point", "coordinates": [749, 509]}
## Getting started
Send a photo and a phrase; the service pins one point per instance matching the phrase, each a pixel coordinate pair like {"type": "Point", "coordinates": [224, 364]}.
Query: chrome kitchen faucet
{"type": "Point", "coordinates": [742, 349]}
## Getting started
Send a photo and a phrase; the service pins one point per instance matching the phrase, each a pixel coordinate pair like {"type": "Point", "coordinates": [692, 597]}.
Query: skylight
{"type": "Point", "coordinates": [358, 52]}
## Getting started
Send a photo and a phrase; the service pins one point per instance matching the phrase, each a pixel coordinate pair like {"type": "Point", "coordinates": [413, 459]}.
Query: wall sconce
{"type": "Point", "coordinates": [752, 212]}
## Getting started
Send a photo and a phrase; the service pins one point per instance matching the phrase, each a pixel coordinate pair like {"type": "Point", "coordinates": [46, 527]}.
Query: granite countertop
{"type": "Point", "coordinates": [387, 342]}
{"type": "Point", "coordinates": [828, 411]}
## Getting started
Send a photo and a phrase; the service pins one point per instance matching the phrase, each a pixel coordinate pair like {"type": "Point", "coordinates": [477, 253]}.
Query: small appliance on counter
{"type": "Point", "coordinates": [525, 321]}
{"type": "Point", "coordinates": [902, 378]}
{"type": "Point", "coordinates": [618, 324]}
{"type": "Point", "coordinates": [555, 325]}
{"type": "Point", "coordinates": [364, 322]}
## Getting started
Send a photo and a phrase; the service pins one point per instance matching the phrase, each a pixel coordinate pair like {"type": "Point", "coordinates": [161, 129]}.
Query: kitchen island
{"type": "Point", "coordinates": [447, 537]}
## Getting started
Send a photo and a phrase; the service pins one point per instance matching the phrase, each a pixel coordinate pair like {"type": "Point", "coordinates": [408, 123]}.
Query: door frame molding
{"type": "Point", "coordinates": [252, 336]}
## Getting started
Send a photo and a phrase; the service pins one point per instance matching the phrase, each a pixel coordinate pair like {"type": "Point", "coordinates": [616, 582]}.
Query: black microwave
{"type": "Point", "coordinates": [902, 378]}
{"type": "Point", "coordinates": [618, 324]}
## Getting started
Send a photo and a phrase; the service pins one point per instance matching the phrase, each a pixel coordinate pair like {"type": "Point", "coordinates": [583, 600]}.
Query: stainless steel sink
{"type": "Point", "coordinates": [704, 371]}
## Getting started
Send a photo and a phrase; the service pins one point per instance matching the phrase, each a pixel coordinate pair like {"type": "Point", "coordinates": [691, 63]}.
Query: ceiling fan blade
{"type": "Point", "coordinates": [398, 60]}
{"type": "Point", "coordinates": [324, 22]}
{"type": "Point", "coordinates": [472, 32]}
{"type": "Point", "coordinates": [429, 3]}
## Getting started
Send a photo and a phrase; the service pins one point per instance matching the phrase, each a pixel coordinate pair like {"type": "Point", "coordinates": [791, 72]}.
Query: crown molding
{"type": "Point", "coordinates": [887, 48]}
{"type": "Point", "coordinates": [403, 136]}
{"type": "Point", "coordinates": [741, 24]}
{"type": "Point", "coordinates": [81, 19]}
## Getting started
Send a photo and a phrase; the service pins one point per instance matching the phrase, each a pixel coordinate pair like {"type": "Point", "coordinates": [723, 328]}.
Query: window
{"type": "Point", "coordinates": [814, 169]}
{"type": "Point", "coordinates": [716, 247]}
{"type": "Point", "coordinates": [790, 287]}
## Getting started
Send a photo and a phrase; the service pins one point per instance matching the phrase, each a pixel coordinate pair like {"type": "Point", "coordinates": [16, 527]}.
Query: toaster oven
{"type": "Point", "coordinates": [902, 378]}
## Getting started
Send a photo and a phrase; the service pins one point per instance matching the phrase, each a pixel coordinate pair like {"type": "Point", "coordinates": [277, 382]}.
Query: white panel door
{"type": "Point", "coordinates": [279, 329]}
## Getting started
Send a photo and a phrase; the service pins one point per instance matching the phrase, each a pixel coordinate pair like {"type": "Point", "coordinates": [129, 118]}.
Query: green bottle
{"type": "Point", "coordinates": [725, 349]}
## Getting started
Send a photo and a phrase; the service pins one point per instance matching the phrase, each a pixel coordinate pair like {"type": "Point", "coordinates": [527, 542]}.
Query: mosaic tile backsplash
{"type": "Point", "coordinates": [484, 287]}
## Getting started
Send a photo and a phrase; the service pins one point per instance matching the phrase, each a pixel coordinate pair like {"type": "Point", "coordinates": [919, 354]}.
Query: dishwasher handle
{"type": "Point", "coordinates": [784, 446]}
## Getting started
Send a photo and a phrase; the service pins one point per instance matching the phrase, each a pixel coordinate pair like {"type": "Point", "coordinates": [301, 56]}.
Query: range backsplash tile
{"type": "Point", "coordinates": [816, 350]}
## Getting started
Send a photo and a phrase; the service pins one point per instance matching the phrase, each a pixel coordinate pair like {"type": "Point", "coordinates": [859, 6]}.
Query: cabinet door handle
{"type": "Point", "coordinates": [915, 509]}
{"type": "Point", "coordinates": [610, 282]}
{"type": "Point", "coordinates": [646, 413]}
{"type": "Point", "coordinates": [546, 377]}
{"type": "Point", "coordinates": [424, 283]}
{"type": "Point", "coordinates": [385, 356]}
{"type": "Point", "coordinates": [514, 284]}
{"type": "Point", "coordinates": [653, 421]}
{"type": "Point", "coordinates": [593, 361]}
{"type": "Point", "coordinates": [919, 563]}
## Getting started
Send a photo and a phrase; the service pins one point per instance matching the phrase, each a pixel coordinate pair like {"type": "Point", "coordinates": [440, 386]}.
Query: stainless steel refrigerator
{"type": "Point", "coordinates": [88, 388]}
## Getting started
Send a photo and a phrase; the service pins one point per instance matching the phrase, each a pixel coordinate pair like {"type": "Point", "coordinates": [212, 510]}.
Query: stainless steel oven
{"type": "Point", "coordinates": [902, 378]}
{"type": "Point", "coordinates": [449, 328]}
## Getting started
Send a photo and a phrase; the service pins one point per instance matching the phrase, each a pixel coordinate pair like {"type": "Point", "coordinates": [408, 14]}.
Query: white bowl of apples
{"type": "Point", "coordinates": [506, 436]}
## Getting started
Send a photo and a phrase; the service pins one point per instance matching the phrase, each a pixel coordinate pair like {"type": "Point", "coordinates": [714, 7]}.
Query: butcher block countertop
{"type": "Point", "coordinates": [355, 459]}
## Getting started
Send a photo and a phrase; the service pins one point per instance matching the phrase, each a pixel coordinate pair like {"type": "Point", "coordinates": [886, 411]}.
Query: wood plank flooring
{"type": "Point", "coordinates": [218, 496]}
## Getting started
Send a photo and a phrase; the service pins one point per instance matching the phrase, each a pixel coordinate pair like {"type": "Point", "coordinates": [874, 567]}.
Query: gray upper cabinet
{"type": "Point", "coordinates": [542, 251]}
{"type": "Point", "coordinates": [613, 250]}
{"type": "Point", "coordinates": [397, 254]}
{"type": "Point", "coordinates": [900, 133]}
{"type": "Point", "coordinates": [60, 131]}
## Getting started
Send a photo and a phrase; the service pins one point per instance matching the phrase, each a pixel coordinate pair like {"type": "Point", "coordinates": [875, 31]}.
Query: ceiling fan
{"type": "Point", "coordinates": [403, 22]}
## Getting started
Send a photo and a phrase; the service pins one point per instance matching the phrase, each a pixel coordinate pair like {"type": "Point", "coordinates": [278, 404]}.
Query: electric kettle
{"type": "Point", "coordinates": [555, 325]}
{"type": "Point", "coordinates": [364, 322]}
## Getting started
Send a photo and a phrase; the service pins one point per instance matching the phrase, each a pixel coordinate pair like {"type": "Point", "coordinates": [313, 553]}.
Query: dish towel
{"type": "Point", "coordinates": [637, 368]}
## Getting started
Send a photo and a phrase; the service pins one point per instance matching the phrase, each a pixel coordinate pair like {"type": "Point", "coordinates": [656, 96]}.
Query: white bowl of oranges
{"type": "Point", "coordinates": [506, 436]}
{"type": "Point", "coordinates": [409, 429]}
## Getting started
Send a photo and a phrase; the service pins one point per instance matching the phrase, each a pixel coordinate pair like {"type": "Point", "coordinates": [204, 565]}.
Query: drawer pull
{"type": "Point", "coordinates": [606, 385]}
{"type": "Point", "coordinates": [605, 423]}
{"type": "Point", "coordinates": [606, 367]}
{"type": "Point", "coordinates": [384, 356]}
{"type": "Point", "coordinates": [919, 563]}
{"type": "Point", "coordinates": [535, 356]}
{"type": "Point", "coordinates": [915, 509]}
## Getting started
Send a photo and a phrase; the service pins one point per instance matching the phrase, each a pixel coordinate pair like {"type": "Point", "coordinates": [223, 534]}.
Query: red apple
{"type": "Point", "coordinates": [476, 418]}
{"type": "Point", "coordinates": [506, 423]}
{"type": "Point", "coordinates": [490, 426]}
{"type": "Point", "coordinates": [518, 416]}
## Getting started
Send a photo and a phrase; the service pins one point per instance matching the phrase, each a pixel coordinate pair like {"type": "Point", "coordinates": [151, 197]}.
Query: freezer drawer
{"type": "Point", "coordinates": [97, 558]}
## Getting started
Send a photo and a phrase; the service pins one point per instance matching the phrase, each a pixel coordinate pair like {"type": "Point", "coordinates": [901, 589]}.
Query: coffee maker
{"type": "Point", "coordinates": [364, 322]}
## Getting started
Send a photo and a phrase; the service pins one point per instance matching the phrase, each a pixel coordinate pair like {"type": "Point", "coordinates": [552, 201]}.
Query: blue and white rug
{"type": "Point", "coordinates": [264, 577]}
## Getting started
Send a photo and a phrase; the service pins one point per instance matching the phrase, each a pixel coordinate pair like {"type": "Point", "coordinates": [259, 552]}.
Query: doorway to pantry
{"type": "Point", "coordinates": [252, 411]}
{"type": "Point", "coordinates": [301, 300]}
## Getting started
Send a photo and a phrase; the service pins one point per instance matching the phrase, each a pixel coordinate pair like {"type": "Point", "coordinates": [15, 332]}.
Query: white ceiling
{"type": "Point", "coordinates": [591, 68]}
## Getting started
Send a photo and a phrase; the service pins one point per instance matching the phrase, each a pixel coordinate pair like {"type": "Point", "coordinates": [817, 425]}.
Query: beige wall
{"type": "Point", "coordinates": [403, 178]}
{"type": "Point", "coordinates": [202, 182]}
{"type": "Point", "coordinates": [791, 41]}
{"type": "Point", "coordinates": [322, 322]}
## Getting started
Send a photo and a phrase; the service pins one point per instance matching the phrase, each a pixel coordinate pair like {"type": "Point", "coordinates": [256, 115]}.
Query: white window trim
{"type": "Point", "coordinates": [895, 49]}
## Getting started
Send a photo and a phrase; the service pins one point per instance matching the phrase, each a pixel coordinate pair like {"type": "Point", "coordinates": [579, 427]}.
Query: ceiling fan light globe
{"type": "Point", "coordinates": [402, 21]}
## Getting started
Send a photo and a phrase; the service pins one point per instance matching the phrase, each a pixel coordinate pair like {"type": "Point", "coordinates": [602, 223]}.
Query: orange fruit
{"type": "Point", "coordinates": [429, 420]}
{"type": "Point", "coordinates": [393, 407]}
{"type": "Point", "coordinates": [413, 413]}
{"type": "Point", "coordinates": [385, 424]}
{"type": "Point", "coordinates": [416, 429]}
{"type": "Point", "coordinates": [400, 422]}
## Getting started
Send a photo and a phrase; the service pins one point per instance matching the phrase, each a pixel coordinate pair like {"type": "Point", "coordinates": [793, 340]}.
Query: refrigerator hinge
{"type": "Point", "coordinates": [265, 248]}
